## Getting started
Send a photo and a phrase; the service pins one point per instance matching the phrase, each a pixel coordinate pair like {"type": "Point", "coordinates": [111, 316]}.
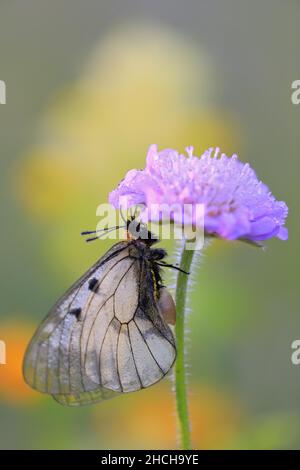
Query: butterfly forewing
{"type": "Point", "coordinates": [103, 337]}
{"type": "Point", "coordinates": [55, 349]}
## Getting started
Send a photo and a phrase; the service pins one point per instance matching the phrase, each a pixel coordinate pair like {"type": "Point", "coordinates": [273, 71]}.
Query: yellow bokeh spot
{"type": "Point", "coordinates": [140, 86]}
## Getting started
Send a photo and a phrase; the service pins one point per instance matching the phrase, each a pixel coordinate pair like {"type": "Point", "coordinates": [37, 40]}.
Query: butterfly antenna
{"type": "Point", "coordinates": [122, 215]}
{"type": "Point", "coordinates": [102, 231]}
{"type": "Point", "coordinates": [166, 265]}
{"type": "Point", "coordinates": [134, 214]}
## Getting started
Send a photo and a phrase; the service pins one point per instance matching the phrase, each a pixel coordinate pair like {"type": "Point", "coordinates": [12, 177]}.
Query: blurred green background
{"type": "Point", "coordinates": [90, 85]}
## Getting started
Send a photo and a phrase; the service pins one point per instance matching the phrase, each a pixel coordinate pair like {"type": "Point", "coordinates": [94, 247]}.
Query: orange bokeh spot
{"type": "Point", "coordinates": [147, 419]}
{"type": "Point", "coordinates": [16, 337]}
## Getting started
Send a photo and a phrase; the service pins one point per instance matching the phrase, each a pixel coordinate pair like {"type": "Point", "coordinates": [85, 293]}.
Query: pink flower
{"type": "Point", "coordinates": [236, 204]}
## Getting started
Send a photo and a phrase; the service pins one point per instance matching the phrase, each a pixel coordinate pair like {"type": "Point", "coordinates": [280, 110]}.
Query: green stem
{"type": "Point", "coordinates": [180, 377]}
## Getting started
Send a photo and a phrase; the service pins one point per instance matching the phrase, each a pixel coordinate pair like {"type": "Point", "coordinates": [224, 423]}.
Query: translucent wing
{"type": "Point", "coordinates": [54, 359]}
{"type": "Point", "coordinates": [84, 398]}
{"type": "Point", "coordinates": [105, 335]}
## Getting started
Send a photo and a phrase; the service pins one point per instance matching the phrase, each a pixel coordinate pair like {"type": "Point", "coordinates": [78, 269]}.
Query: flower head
{"type": "Point", "coordinates": [236, 204]}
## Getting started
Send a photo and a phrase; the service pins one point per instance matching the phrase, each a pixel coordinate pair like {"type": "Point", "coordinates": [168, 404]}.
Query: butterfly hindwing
{"type": "Point", "coordinates": [84, 398]}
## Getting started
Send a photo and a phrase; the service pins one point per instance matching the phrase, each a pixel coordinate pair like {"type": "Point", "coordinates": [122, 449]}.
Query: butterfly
{"type": "Point", "coordinates": [108, 334]}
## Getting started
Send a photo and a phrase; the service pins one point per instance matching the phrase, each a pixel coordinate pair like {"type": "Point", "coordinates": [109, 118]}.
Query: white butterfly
{"type": "Point", "coordinates": [108, 334]}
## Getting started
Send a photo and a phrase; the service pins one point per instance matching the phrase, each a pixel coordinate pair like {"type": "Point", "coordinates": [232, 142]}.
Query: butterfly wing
{"type": "Point", "coordinates": [84, 398]}
{"type": "Point", "coordinates": [103, 337]}
{"type": "Point", "coordinates": [54, 358]}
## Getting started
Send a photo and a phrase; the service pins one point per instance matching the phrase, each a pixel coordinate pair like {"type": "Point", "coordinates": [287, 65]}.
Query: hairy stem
{"type": "Point", "coordinates": [180, 376]}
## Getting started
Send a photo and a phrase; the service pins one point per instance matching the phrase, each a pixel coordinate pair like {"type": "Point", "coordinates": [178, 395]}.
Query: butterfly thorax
{"type": "Point", "coordinates": [149, 258]}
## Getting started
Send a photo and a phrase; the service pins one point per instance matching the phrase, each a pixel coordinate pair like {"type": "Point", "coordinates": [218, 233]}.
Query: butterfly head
{"type": "Point", "coordinates": [136, 230]}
